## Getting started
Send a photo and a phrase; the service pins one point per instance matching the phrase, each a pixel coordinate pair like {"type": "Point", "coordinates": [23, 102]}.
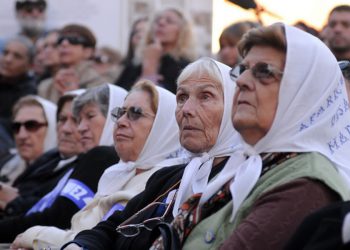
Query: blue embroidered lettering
{"type": "Point", "coordinates": [342, 138]}
{"type": "Point", "coordinates": [302, 127]}
{"type": "Point", "coordinates": [329, 101]}
{"type": "Point", "coordinates": [332, 145]}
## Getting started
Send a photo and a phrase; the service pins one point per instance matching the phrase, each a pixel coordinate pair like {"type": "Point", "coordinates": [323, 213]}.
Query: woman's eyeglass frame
{"type": "Point", "coordinates": [30, 126]}
{"type": "Point", "coordinates": [122, 229]}
{"type": "Point", "coordinates": [261, 71]}
{"type": "Point", "coordinates": [133, 113]}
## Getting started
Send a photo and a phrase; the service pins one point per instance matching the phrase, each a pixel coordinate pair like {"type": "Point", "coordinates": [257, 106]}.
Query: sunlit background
{"type": "Point", "coordinates": [312, 12]}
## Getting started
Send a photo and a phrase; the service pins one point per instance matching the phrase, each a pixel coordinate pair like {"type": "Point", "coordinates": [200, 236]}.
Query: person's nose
{"type": "Point", "coordinates": [245, 81]}
{"type": "Point", "coordinates": [83, 126]}
{"type": "Point", "coordinates": [189, 107]}
{"type": "Point", "coordinates": [123, 121]}
{"type": "Point", "coordinates": [22, 133]}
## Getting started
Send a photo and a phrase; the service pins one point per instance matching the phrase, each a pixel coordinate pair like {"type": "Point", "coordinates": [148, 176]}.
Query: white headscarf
{"type": "Point", "coordinates": [195, 177]}
{"type": "Point", "coordinates": [162, 148]}
{"type": "Point", "coordinates": [50, 109]}
{"type": "Point", "coordinates": [116, 99]}
{"type": "Point", "coordinates": [312, 113]}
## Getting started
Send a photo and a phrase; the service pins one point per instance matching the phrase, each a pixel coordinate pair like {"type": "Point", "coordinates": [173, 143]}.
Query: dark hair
{"type": "Point", "coordinates": [22, 4]}
{"type": "Point", "coordinates": [131, 50]}
{"type": "Point", "coordinates": [62, 101]}
{"type": "Point", "coordinates": [340, 8]}
{"type": "Point", "coordinates": [82, 31]}
{"type": "Point", "coordinates": [235, 31]}
{"type": "Point", "coordinates": [273, 36]}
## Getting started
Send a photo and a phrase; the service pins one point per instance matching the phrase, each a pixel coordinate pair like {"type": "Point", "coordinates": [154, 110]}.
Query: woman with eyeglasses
{"type": "Point", "coordinates": [164, 50]}
{"type": "Point", "coordinates": [146, 139]}
{"type": "Point", "coordinates": [34, 130]}
{"type": "Point", "coordinates": [292, 111]}
{"type": "Point", "coordinates": [204, 103]}
{"type": "Point", "coordinates": [79, 185]}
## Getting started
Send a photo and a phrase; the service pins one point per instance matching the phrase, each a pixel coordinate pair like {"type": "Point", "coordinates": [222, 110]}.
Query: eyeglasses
{"type": "Point", "coordinates": [261, 71]}
{"type": "Point", "coordinates": [30, 126]}
{"type": "Point", "coordinates": [345, 68]}
{"type": "Point", "coordinates": [132, 230]}
{"type": "Point", "coordinates": [133, 113]}
{"type": "Point", "coordinates": [74, 40]}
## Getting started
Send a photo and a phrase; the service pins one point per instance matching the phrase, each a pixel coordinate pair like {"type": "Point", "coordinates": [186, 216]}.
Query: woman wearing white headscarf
{"type": "Point", "coordinates": [93, 109]}
{"type": "Point", "coordinates": [30, 144]}
{"type": "Point", "coordinates": [292, 111]}
{"type": "Point", "coordinates": [204, 103]}
{"type": "Point", "coordinates": [159, 148]}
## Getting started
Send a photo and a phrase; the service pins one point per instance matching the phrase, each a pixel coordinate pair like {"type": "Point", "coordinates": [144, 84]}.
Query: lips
{"type": "Point", "coordinates": [120, 136]}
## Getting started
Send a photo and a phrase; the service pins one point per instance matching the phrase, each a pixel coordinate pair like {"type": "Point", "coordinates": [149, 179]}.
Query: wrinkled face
{"type": "Point", "coordinates": [228, 52]}
{"type": "Point", "coordinates": [30, 144]}
{"type": "Point", "coordinates": [338, 31]}
{"type": "Point", "coordinates": [91, 124]}
{"type": "Point", "coordinates": [50, 52]}
{"type": "Point", "coordinates": [73, 53]}
{"type": "Point", "coordinates": [67, 131]}
{"type": "Point", "coordinates": [256, 99]}
{"type": "Point", "coordinates": [14, 61]}
{"type": "Point", "coordinates": [200, 106]}
{"type": "Point", "coordinates": [130, 135]}
{"type": "Point", "coordinates": [167, 28]}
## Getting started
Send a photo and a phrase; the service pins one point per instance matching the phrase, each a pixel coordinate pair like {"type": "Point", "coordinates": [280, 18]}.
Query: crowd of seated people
{"type": "Point", "coordinates": [164, 149]}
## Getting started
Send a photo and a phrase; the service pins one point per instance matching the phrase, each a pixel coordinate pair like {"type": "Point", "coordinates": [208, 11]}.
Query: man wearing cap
{"type": "Point", "coordinates": [76, 45]}
{"type": "Point", "coordinates": [337, 35]}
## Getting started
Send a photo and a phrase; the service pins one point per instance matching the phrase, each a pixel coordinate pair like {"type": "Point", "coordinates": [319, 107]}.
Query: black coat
{"type": "Point", "coordinates": [104, 235]}
{"type": "Point", "coordinates": [169, 70]}
{"type": "Point", "coordinates": [88, 171]}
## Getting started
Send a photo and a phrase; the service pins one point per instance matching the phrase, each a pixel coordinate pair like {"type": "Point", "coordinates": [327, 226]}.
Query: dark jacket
{"type": "Point", "coordinates": [88, 171]}
{"type": "Point", "coordinates": [37, 180]}
{"type": "Point", "coordinates": [104, 235]}
{"type": "Point", "coordinates": [169, 69]}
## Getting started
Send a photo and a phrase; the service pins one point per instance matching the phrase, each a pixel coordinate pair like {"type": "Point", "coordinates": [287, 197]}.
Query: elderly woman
{"type": "Point", "coordinates": [41, 177]}
{"type": "Point", "coordinates": [92, 109]}
{"type": "Point", "coordinates": [292, 112]}
{"type": "Point", "coordinates": [34, 129]}
{"type": "Point", "coordinates": [166, 48]}
{"type": "Point", "coordinates": [146, 139]}
{"type": "Point", "coordinates": [78, 186]}
{"type": "Point", "coordinates": [204, 102]}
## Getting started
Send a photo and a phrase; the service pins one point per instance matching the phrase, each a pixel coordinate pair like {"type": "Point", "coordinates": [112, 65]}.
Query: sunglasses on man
{"type": "Point", "coordinates": [30, 125]}
{"type": "Point", "coordinates": [132, 113]}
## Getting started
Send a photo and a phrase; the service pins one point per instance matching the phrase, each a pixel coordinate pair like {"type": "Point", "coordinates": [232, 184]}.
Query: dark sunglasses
{"type": "Point", "coordinates": [261, 71]}
{"type": "Point", "coordinates": [133, 113]}
{"type": "Point", "coordinates": [30, 126]}
{"type": "Point", "coordinates": [345, 68]}
{"type": "Point", "coordinates": [74, 40]}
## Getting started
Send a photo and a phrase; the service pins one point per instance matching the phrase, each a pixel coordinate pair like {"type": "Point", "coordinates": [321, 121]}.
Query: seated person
{"type": "Point", "coordinates": [146, 139]}
{"type": "Point", "coordinates": [204, 103]}
{"type": "Point", "coordinates": [292, 111]}
{"type": "Point", "coordinates": [78, 186]}
{"type": "Point", "coordinates": [34, 129]}
{"type": "Point", "coordinates": [42, 176]}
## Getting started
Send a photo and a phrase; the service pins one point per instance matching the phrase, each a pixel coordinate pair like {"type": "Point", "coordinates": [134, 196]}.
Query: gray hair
{"type": "Point", "coordinates": [98, 95]}
{"type": "Point", "coordinates": [204, 66]}
{"type": "Point", "coordinates": [26, 42]}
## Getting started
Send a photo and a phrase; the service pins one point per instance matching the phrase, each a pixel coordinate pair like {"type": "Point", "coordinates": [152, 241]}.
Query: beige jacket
{"type": "Point", "coordinates": [88, 78]}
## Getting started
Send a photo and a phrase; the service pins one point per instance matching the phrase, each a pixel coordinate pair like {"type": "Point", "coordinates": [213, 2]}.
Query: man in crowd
{"type": "Point", "coordinates": [337, 35]}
